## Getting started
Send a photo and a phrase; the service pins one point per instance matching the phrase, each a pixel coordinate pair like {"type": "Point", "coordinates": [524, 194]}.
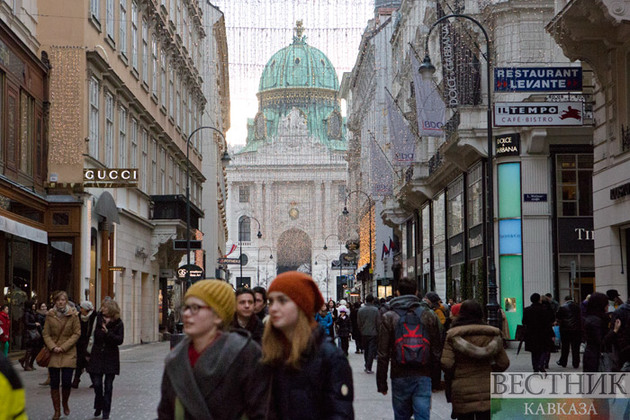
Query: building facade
{"type": "Point", "coordinates": [364, 90]}
{"type": "Point", "coordinates": [216, 88]}
{"type": "Point", "coordinates": [126, 93]}
{"type": "Point", "coordinates": [598, 34]}
{"type": "Point", "coordinates": [286, 186]}
{"type": "Point", "coordinates": [28, 219]}
{"type": "Point", "coordinates": [543, 206]}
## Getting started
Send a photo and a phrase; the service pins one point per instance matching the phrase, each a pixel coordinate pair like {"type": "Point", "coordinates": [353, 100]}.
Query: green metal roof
{"type": "Point", "coordinates": [297, 66]}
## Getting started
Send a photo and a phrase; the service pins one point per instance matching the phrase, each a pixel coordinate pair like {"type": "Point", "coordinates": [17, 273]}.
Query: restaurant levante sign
{"type": "Point", "coordinates": [537, 79]}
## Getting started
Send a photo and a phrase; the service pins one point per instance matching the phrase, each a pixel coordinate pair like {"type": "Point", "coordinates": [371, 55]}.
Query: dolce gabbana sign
{"type": "Point", "coordinates": [110, 178]}
{"type": "Point", "coordinates": [508, 145]}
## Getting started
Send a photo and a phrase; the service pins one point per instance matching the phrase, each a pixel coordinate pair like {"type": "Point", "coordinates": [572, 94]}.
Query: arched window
{"type": "Point", "coordinates": [244, 229]}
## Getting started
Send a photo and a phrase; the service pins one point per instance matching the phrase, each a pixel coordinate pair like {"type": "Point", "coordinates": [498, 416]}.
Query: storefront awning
{"type": "Point", "coordinates": [106, 207]}
{"type": "Point", "coordinates": [23, 231]}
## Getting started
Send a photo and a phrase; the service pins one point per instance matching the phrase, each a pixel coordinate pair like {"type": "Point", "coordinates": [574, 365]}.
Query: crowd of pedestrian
{"type": "Point", "coordinates": [598, 329]}
{"type": "Point", "coordinates": [282, 353]}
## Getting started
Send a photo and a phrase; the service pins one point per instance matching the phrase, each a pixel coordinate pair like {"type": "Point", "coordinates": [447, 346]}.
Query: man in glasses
{"type": "Point", "coordinates": [209, 374]}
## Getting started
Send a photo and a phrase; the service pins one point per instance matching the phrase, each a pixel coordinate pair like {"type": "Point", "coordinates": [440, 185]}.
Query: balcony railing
{"type": "Point", "coordinates": [435, 162]}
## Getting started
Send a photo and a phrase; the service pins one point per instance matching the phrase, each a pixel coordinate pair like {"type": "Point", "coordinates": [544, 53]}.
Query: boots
{"type": "Point", "coordinates": [28, 362]}
{"type": "Point", "coordinates": [31, 361]}
{"type": "Point", "coordinates": [54, 393]}
{"type": "Point", "coordinates": [77, 379]}
{"type": "Point", "coordinates": [22, 361]}
{"type": "Point", "coordinates": [65, 395]}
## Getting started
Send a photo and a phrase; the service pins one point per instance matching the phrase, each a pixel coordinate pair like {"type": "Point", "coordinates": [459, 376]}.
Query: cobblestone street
{"type": "Point", "coordinates": [137, 389]}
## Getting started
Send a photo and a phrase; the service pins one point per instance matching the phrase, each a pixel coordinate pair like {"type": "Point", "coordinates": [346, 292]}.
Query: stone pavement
{"type": "Point", "coordinates": [137, 389]}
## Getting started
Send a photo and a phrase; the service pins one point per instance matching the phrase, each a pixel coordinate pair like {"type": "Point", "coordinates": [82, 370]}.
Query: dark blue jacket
{"type": "Point", "coordinates": [320, 390]}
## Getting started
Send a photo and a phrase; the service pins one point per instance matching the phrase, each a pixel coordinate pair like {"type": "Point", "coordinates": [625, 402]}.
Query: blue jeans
{"type": "Point", "coordinates": [411, 395]}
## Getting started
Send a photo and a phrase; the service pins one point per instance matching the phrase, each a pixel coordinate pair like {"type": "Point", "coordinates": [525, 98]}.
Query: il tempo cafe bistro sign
{"type": "Point", "coordinates": [110, 178]}
{"type": "Point", "coordinates": [558, 395]}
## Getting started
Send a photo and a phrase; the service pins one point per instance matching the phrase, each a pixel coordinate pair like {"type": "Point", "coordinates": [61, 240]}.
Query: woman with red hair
{"type": "Point", "coordinates": [310, 377]}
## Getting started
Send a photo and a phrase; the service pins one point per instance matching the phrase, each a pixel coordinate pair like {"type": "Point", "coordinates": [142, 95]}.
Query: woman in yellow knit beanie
{"type": "Point", "coordinates": [210, 374]}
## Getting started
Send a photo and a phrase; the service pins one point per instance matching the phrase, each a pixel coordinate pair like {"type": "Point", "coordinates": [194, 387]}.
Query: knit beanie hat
{"type": "Point", "coordinates": [217, 294]}
{"type": "Point", "coordinates": [433, 297]}
{"type": "Point", "coordinates": [302, 290]}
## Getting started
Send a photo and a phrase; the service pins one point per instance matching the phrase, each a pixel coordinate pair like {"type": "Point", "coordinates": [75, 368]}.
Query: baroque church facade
{"type": "Point", "coordinates": [287, 185]}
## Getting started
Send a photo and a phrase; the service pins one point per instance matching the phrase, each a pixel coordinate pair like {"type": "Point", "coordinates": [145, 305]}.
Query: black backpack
{"type": "Point", "coordinates": [411, 345]}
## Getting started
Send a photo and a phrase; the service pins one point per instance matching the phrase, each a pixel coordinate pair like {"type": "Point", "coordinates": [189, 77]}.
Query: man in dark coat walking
{"type": "Point", "coordinates": [368, 320]}
{"type": "Point", "coordinates": [570, 322]}
{"type": "Point", "coordinates": [538, 320]}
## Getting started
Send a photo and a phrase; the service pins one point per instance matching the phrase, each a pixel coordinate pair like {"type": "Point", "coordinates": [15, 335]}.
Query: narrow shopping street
{"type": "Point", "coordinates": [137, 389]}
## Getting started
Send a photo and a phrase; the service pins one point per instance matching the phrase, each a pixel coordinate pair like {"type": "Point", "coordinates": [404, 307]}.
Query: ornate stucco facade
{"type": "Point", "coordinates": [288, 182]}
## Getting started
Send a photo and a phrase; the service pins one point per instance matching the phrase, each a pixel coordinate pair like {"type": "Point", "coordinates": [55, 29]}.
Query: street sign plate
{"type": "Point", "coordinates": [228, 260]}
{"type": "Point", "coordinates": [180, 244]}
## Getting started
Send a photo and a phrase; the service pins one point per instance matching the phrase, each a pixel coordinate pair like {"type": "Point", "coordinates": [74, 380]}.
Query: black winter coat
{"type": "Point", "coordinates": [595, 329]}
{"type": "Point", "coordinates": [343, 327]}
{"type": "Point", "coordinates": [105, 358]}
{"type": "Point", "coordinates": [538, 319]}
{"type": "Point", "coordinates": [569, 317]}
{"type": "Point", "coordinates": [321, 390]}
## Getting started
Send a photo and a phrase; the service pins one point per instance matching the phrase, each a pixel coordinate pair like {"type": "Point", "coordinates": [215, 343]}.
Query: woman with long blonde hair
{"type": "Point", "coordinates": [310, 377]}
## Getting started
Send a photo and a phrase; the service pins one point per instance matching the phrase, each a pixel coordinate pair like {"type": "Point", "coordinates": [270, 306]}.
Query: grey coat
{"type": "Point", "coordinates": [226, 382]}
{"type": "Point", "coordinates": [368, 319]}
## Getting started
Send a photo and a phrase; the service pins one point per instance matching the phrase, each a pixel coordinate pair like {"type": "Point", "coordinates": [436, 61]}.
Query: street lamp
{"type": "Point", "coordinates": [258, 262]}
{"type": "Point", "coordinates": [427, 69]}
{"type": "Point", "coordinates": [225, 159]}
{"type": "Point", "coordinates": [345, 212]}
{"type": "Point", "coordinates": [340, 244]}
{"type": "Point", "coordinates": [259, 235]}
{"type": "Point", "coordinates": [326, 258]}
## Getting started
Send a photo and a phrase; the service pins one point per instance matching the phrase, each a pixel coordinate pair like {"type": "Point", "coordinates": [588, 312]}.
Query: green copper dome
{"type": "Point", "coordinates": [302, 78]}
{"type": "Point", "coordinates": [299, 66]}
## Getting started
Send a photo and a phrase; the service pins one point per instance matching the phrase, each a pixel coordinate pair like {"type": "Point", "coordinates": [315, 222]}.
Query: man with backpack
{"type": "Point", "coordinates": [410, 337]}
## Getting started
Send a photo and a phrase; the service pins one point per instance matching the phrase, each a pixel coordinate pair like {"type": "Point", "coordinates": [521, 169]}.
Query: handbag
{"type": "Point", "coordinates": [33, 335]}
{"type": "Point", "coordinates": [43, 357]}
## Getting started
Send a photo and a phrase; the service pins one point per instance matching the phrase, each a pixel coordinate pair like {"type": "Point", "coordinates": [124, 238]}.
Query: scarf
{"type": "Point", "coordinates": [86, 318]}
{"type": "Point", "coordinates": [62, 311]}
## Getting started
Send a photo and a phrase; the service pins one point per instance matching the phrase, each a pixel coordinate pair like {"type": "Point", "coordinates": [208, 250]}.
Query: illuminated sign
{"type": "Point", "coordinates": [537, 79]}
{"type": "Point", "coordinates": [508, 145]}
{"type": "Point", "coordinates": [110, 178]}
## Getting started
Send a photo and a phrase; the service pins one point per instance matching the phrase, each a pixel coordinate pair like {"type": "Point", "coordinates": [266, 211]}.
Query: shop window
{"type": "Point", "coordinates": [475, 196]}
{"type": "Point", "coordinates": [574, 184]}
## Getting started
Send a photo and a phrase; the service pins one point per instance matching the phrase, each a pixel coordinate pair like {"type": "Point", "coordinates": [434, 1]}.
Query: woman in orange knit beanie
{"type": "Point", "coordinates": [311, 377]}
